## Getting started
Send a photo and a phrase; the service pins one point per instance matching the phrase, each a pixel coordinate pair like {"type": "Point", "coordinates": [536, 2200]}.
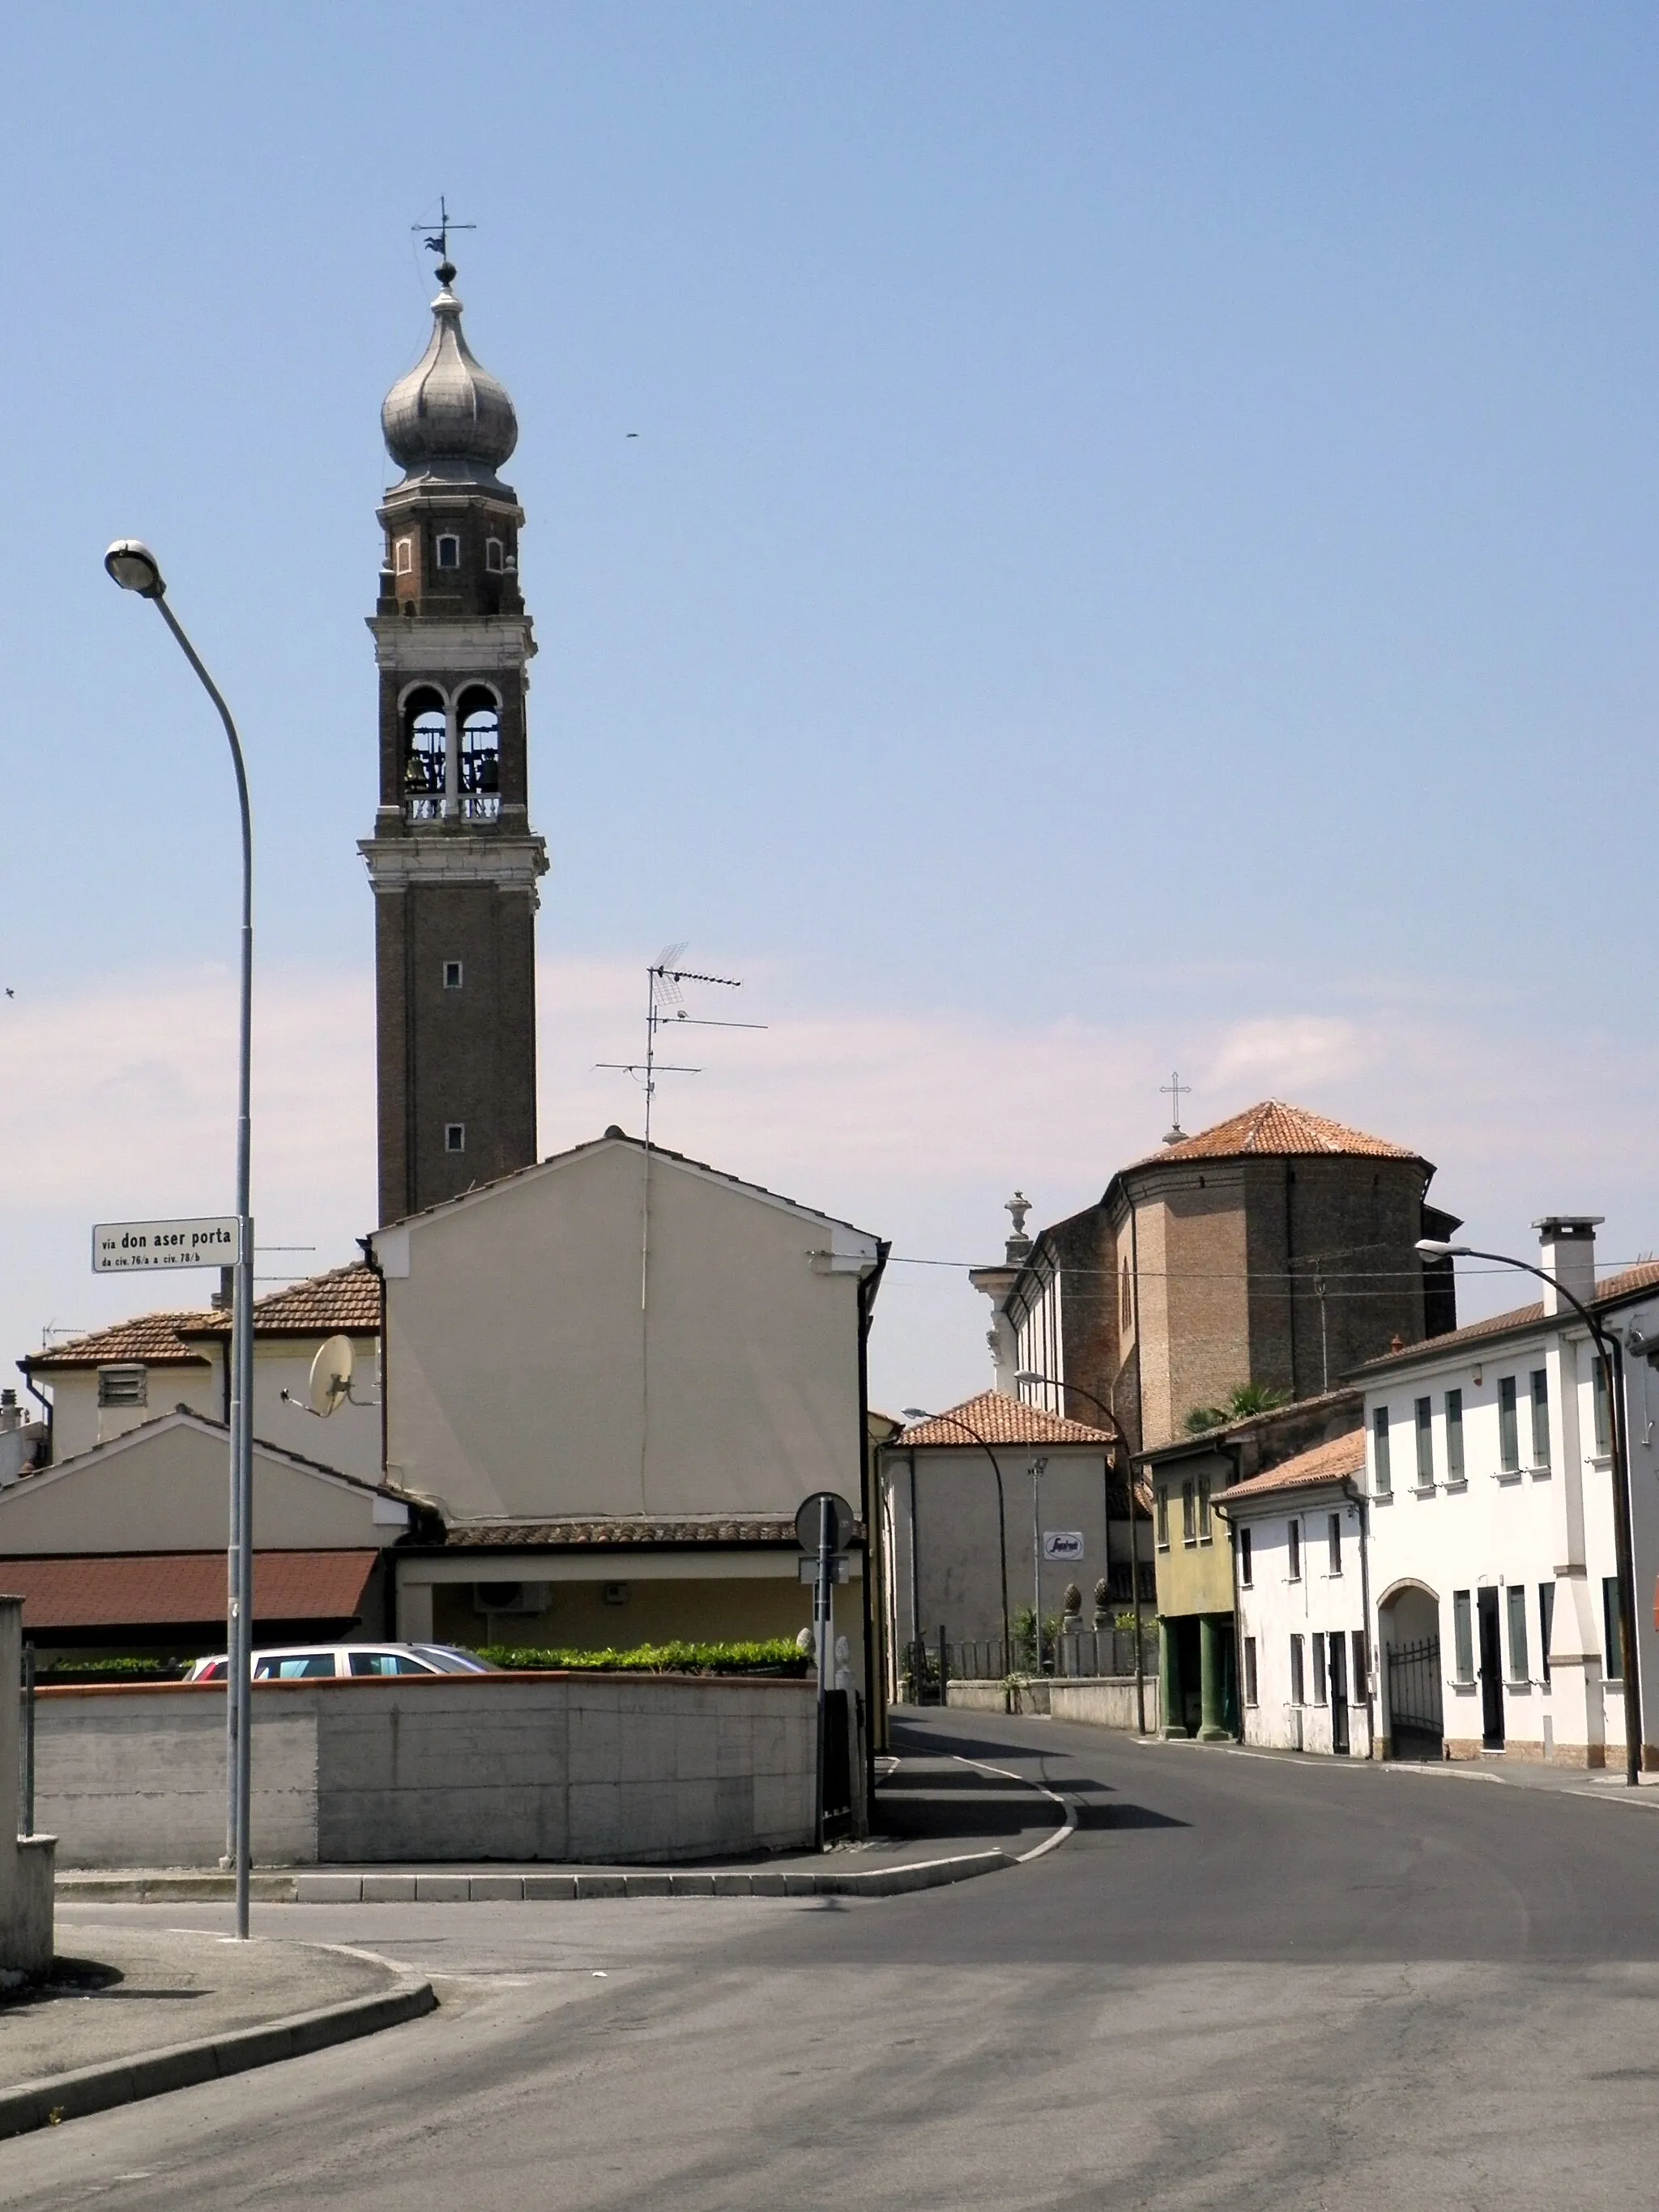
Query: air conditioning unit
{"type": "Point", "coordinates": [509, 1598]}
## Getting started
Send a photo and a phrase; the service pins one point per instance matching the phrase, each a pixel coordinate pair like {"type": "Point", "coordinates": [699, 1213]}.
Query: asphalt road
{"type": "Point", "coordinates": [1243, 1982]}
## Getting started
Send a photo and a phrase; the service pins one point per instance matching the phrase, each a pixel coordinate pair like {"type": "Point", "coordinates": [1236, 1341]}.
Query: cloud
{"type": "Point", "coordinates": [117, 1100]}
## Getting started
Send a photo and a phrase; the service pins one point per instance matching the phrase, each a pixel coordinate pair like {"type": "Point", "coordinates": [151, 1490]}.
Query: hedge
{"type": "Point", "coordinates": [779, 1656]}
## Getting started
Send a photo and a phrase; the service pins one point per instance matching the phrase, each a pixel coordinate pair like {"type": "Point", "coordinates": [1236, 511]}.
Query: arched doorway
{"type": "Point", "coordinates": [1414, 1722]}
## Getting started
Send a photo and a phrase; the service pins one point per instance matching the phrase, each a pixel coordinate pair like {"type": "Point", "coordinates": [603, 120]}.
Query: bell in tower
{"type": "Point", "coordinates": [453, 862]}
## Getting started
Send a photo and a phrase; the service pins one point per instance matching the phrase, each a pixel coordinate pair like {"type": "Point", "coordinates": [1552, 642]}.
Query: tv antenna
{"type": "Point", "coordinates": [665, 1007]}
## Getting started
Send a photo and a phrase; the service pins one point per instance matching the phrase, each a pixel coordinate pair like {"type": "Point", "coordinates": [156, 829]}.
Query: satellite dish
{"type": "Point", "coordinates": [331, 1376]}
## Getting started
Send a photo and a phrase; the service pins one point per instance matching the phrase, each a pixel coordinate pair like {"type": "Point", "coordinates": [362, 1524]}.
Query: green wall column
{"type": "Point", "coordinates": [1209, 1679]}
{"type": "Point", "coordinates": [1169, 1682]}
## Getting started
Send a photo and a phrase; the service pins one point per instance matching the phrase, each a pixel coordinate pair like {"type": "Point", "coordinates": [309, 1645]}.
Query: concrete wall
{"type": "Point", "coordinates": [1109, 1701]}
{"type": "Point", "coordinates": [636, 1768]}
{"type": "Point", "coordinates": [516, 1376]}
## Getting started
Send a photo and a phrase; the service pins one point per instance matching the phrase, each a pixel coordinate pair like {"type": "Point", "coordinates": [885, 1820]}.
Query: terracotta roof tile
{"type": "Point", "coordinates": [345, 1298]}
{"type": "Point", "coordinates": [185, 1589]}
{"type": "Point", "coordinates": [999, 1419]}
{"type": "Point", "coordinates": [1275, 1129]}
{"type": "Point", "coordinates": [153, 1340]}
{"type": "Point", "coordinates": [622, 1531]}
{"type": "Point", "coordinates": [1327, 1462]}
{"type": "Point", "coordinates": [1629, 1283]}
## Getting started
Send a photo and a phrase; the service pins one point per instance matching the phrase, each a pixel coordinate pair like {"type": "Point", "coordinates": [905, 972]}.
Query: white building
{"type": "Point", "coordinates": [1493, 1564]}
{"type": "Point", "coordinates": [1460, 1552]}
{"type": "Point", "coordinates": [1299, 1568]}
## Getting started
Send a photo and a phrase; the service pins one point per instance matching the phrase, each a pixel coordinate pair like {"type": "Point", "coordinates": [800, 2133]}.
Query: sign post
{"type": "Point", "coordinates": [824, 1527]}
{"type": "Point", "coordinates": [125, 1247]}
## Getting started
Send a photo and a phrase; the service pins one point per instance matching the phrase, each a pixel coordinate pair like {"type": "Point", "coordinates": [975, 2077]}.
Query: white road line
{"type": "Point", "coordinates": [1049, 1843]}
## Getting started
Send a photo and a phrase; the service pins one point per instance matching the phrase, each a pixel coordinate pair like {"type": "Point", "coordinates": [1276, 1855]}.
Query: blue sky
{"type": "Point", "coordinates": [1139, 550]}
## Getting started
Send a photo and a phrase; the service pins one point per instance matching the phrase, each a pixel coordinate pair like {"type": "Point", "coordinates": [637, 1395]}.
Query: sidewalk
{"type": "Point", "coordinates": [1493, 1766]}
{"type": "Point", "coordinates": [943, 1820]}
{"type": "Point", "coordinates": [131, 2013]}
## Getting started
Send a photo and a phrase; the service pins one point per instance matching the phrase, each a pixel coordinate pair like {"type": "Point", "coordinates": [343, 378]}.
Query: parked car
{"type": "Point", "coordinates": [294, 1663]}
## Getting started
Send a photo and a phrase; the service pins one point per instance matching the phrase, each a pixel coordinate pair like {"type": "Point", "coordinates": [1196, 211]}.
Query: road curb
{"type": "Point", "coordinates": [182, 2065]}
{"type": "Point", "coordinates": [393, 1888]}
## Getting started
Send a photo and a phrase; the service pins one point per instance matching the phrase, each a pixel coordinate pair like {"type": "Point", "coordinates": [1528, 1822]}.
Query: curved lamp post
{"type": "Point", "coordinates": [135, 568]}
{"type": "Point", "coordinates": [1053, 1383]}
{"type": "Point", "coordinates": [920, 1414]}
{"type": "Point", "coordinates": [1612, 1353]}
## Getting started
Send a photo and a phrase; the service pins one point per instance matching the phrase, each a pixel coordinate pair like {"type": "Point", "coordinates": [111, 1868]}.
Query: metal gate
{"type": "Point", "coordinates": [1416, 1726]}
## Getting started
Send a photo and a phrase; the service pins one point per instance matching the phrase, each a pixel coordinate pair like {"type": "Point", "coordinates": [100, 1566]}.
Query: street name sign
{"type": "Point", "coordinates": [124, 1248]}
{"type": "Point", "coordinates": [1062, 1543]}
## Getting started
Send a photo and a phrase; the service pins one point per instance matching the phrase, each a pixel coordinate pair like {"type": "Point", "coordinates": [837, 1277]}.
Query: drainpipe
{"type": "Point", "coordinates": [366, 1244]}
{"type": "Point", "coordinates": [1358, 1498]}
{"type": "Point", "coordinates": [868, 1285]}
{"type": "Point", "coordinates": [40, 1395]}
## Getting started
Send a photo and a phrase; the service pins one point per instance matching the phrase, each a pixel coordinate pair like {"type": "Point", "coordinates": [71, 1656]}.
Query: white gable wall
{"type": "Point", "coordinates": [524, 1380]}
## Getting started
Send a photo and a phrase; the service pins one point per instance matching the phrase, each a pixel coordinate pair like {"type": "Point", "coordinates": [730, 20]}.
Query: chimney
{"type": "Point", "coordinates": [1567, 1251]}
{"type": "Point", "coordinates": [11, 1414]}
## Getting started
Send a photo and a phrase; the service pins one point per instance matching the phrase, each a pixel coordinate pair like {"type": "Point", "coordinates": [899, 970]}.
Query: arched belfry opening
{"type": "Point", "coordinates": [425, 754]}
{"type": "Point", "coordinates": [453, 862]}
{"type": "Point", "coordinates": [479, 715]}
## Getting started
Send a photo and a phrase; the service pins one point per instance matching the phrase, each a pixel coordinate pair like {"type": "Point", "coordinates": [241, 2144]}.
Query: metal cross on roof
{"type": "Point", "coordinates": [1173, 1089]}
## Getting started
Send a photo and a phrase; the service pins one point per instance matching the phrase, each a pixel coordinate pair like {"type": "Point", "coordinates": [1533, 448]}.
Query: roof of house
{"type": "Point", "coordinates": [620, 1532]}
{"type": "Point", "coordinates": [1629, 1283]}
{"type": "Point", "coordinates": [143, 1432]}
{"type": "Point", "coordinates": [1274, 1128]}
{"type": "Point", "coordinates": [1327, 1462]}
{"type": "Point", "coordinates": [183, 1589]}
{"type": "Point", "coordinates": [1227, 1433]}
{"type": "Point", "coordinates": [154, 1339]}
{"type": "Point", "coordinates": [613, 1135]}
{"type": "Point", "coordinates": [345, 1299]}
{"type": "Point", "coordinates": [998, 1418]}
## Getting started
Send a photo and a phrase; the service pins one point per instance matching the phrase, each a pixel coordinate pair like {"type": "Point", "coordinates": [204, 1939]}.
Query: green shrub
{"type": "Point", "coordinates": [779, 1656]}
{"type": "Point", "coordinates": [113, 1669]}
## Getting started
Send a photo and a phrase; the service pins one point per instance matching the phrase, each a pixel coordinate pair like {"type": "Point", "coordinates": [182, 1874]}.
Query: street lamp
{"type": "Point", "coordinates": [135, 568]}
{"type": "Point", "coordinates": [920, 1414]}
{"type": "Point", "coordinates": [1053, 1383]}
{"type": "Point", "coordinates": [1612, 1353]}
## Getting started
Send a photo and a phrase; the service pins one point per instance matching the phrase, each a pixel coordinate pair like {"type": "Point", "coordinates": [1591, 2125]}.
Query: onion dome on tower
{"type": "Point", "coordinates": [449, 420]}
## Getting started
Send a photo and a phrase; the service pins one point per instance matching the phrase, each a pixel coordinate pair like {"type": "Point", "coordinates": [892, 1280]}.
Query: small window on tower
{"type": "Point", "coordinates": [404, 556]}
{"type": "Point", "coordinates": [454, 1136]}
{"type": "Point", "coordinates": [453, 976]}
{"type": "Point", "coordinates": [492, 552]}
{"type": "Point", "coordinates": [449, 552]}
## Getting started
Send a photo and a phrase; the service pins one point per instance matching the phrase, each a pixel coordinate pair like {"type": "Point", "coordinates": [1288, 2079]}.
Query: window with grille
{"type": "Point", "coordinates": [1293, 1539]}
{"type": "Point", "coordinates": [1546, 1623]}
{"type": "Point", "coordinates": [1246, 1571]}
{"type": "Point", "coordinates": [123, 1386]}
{"type": "Point", "coordinates": [1206, 1532]}
{"type": "Point", "coordinates": [1333, 1541]}
{"type": "Point", "coordinates": [1380, 1451]}
{"type": "Point", "coordinates": [1188, 1514]}
{"type": "Point", "coordinates": [1249, 1670]}
{"type": "Point", "coordinates": [1296, 1670]}
{"type": "Point", "coordinates": [1318, 1667]}
{"type": "Point", "coordinates": [1603, 1420]}
{"type": "Point", "coordinates": [1610, 1628]}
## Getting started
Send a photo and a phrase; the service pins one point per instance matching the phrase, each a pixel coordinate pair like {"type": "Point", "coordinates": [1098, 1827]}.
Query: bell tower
{"type": "Point", "coordinates": [453, 862]}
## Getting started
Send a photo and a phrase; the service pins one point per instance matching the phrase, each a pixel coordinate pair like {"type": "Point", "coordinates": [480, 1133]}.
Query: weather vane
{"type": "Point", "coordinates": [440, 244]}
